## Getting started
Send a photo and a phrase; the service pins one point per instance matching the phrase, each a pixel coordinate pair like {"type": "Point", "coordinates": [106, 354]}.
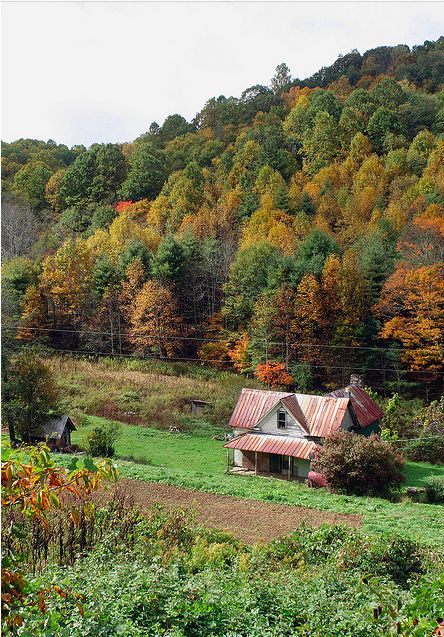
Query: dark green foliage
{"type": "Point", "coordinates": [250, 274]}
{"type": "Point", "coordinates": [170, 260]}
{"type": "Point", "coordinates": [434, 487]}
{"type": "Point", "coordinates": [312, 254]}
{"type": "Point", "coordinates": [74, 220]}
{"type": "Point", "coordinates": [29, 183]}
{"type": "Point", "coordinates": [323, 102]}
{"type": "Point", "coordinates": [388, 93]}
{"type": "Point", "coordinates": [274, 149]}
{"type": "Point", "coordinates": [104, 276]}
{"type": "Point", "coordinates": [419, 112]}
{"type": "Point", "coordinates": [101, 440]}
{"type": "Point", "coordinates": [95, 176]}
{"type": "Point", "coordinates": [146, 173]}
{"type": "Point", "coordinates": [174, 126]}
{"type": "Point", "coordinates": [355, 464]}
{"type": "Point", "coordinates": [29, 394]}
{"type": "Point", "coordinates": [303, 376]}
{"type": "Point", "coordinates": [102, 217]}
{"type": "Point", "coordinates": [109, 172]}
{"type": "Point", "coordinates": [136, 250]}
{"type": "Point", "coordinates": [377, 255]}
{"type": "Point", "coordinates": [77, 180]}
{"type": "Point", "coordinates": [381, 123]}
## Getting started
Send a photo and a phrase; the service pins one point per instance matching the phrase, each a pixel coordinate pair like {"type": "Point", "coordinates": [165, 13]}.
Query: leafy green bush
{"type": "Point", "coordinates": [101, 440]}
{"type": "Point", "coordinates": [356, 464]}
{"type": "Point", "coordinates": [434, 487]}
{"type": "Point", "coordinates": [386, 555]}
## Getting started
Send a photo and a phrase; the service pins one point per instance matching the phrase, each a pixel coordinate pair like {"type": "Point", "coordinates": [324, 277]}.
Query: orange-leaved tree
{"type": "Point", "coordinates": [156, 324]}
{"type": "Point", "coordinates": [412, 306]}
{"type": "Point", "coordinates": [274, 374]}
{"type": "Point", "coordinates": [34, 485]}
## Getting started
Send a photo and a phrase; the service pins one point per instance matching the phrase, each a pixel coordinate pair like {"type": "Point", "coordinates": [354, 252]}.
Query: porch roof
{"type": "Point", "coordinates": [280, 445]}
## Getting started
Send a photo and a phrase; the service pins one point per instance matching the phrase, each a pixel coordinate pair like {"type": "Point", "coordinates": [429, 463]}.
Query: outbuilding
{"type": "Point", "coordinates": [56, 432]}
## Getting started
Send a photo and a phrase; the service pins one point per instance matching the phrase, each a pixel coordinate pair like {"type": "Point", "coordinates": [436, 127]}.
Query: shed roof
{"type": "Point", "coordinates": [365, 408]}
{"type": "Point", "coordinates": [54, 427]}
{"type": "Point", "coordinates": [318, 415]}
{"type": "Point", "coordinates": [280, 445]}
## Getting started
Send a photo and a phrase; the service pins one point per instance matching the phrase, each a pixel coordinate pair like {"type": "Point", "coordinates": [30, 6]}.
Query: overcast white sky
{"type": "Point", "coordinates": [84, 72]}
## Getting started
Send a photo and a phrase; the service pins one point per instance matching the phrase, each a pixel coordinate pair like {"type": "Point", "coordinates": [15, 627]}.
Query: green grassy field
{"type": "Point", "coordinates": [198, 462]}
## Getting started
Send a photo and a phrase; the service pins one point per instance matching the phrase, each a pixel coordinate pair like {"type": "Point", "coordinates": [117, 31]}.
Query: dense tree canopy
{"type": "Point", "coordinates": [298, 228]}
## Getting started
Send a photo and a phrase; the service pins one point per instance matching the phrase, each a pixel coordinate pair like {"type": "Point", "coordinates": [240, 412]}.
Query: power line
{"type": "Point", "coordinates": [188, 359]}
{"type": "Point", "coordinates": [190, 338]}
{"type": "Point", "coordinates": [118, 334]}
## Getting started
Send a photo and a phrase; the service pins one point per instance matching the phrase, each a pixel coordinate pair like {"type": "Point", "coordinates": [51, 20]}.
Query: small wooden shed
{"type": "Point", "coordinates": [56, 432]}
{"type": "Point", "coordinates": [198, 406]}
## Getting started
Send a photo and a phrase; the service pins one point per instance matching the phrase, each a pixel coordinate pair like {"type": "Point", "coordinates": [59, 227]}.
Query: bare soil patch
{"type": "Point", "coordinates": [248, 520]}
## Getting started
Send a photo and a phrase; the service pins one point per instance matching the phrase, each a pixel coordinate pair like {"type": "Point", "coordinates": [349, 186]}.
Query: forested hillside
{"type": "Point", "coordinates": [295, 233]}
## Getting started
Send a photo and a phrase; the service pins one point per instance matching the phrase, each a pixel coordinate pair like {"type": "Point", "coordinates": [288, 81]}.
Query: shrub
{"type": "Point", "coordinates": [100, 441]}
{"type": "Point", "coordinates": [359, 465]}
{"type": "Point", "coordinates": [425, 449]}
{"type": "Point", "coordinates": [434, 487]}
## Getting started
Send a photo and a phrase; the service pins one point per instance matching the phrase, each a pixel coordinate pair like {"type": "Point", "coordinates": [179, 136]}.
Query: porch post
{"type": "Point", "coordinates": [255, 463]}
{"type": "Point", "coordinates": [289, 468]}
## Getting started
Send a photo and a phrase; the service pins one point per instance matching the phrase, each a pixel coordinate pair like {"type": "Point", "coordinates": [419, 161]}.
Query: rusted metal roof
{"type": "Point", "coordinates": [365, 408]}
{"type": "Point", "coordinates": [280, 445]}
{"type": "Point", "coordinates": [291, 403]}
{"type": "Point", "coordinates": [252, 405]}
{"type": "Point", "coordinates": [324, 414]}
{"type": "Point", "coordinates": [318, 415]}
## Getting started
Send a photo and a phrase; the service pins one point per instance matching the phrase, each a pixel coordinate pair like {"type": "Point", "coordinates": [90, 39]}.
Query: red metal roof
{"type": "Point", "coordinates": [324, 414]}
{"type": "Point", "coordinates": [291, 403]}
{"type": "Point", "coordinates": [365, 408]}
{"type": "Point", "coordinates": [318, 415]}
{"type": "Point", "coordinates": [280, 445]}
{"type": "Point", "coordinates": [252, 405]}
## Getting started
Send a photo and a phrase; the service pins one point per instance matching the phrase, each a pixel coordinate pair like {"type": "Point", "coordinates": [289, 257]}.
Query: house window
{"type": "Point", "coordinates": [281, 419]}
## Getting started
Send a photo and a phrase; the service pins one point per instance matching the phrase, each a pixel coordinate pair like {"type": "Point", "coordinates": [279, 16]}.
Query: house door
{"type": "Point", "coordinates": [275, 463]}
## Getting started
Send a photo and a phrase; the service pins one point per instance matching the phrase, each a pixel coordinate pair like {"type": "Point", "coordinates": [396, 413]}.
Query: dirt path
{"type": "Point", "coordinates": [248, 520]}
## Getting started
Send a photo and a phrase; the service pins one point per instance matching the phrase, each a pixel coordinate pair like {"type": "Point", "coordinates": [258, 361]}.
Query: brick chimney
{"type": "Point", "coordinates": [357, 379]}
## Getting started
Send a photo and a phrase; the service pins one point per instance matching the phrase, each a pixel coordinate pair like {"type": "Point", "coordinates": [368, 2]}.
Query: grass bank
{"type": "Point", "coordinates": [149, 393]}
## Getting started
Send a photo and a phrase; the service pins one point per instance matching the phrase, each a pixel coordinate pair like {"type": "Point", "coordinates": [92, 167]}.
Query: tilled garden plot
{"type": "Point", "coordinates": [248, 520]}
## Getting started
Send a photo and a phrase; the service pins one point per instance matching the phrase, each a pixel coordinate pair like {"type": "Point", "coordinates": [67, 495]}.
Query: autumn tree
{"type": "Point", "coordinates": [310, 320]}
{"type": "Point", "coordinates": [66, 282]}
{"type": "Point", "coordinates": [411, 307]}
{"type": "Point", "coordinates": [156, 325]}
{"type": "Point", "coordinates": [274, 374]}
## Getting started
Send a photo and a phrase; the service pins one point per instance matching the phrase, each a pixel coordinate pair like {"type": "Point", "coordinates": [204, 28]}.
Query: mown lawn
{"type": "Point", "coordinates": [199, 463]}
{"type": "Point", "coordinates": [416, 473]}
{"type": "Point", "coordinates": [183, 452]}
